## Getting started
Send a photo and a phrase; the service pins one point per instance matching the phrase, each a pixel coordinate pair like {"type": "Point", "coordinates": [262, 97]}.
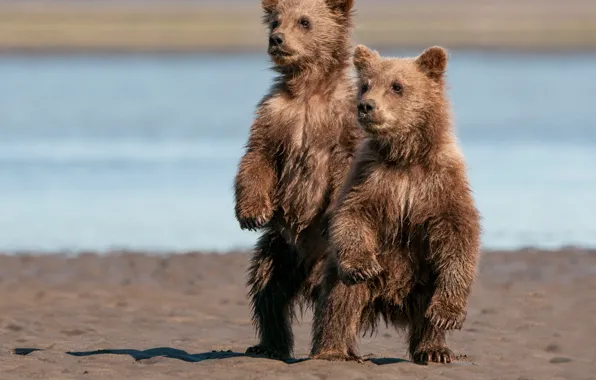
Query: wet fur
{"type": "Point", "coordinates": [299, 151]}
{"type": "Point", "coordinates": [405, 232]}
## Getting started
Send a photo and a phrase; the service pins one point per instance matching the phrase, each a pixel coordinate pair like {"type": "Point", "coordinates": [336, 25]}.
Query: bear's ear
{"type": "Point", "coordinates": [344, 7]}
{"type": "Point", "coordinates": [364, 57]}
{"type": "Point", "coordinates": [433, 62]}
{"type": "Point", "coordinates": [269, 5]}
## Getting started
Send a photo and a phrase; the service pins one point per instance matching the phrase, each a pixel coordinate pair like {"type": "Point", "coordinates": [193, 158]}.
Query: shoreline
{"type": "Point", "coordinates": [246, 251]}
{"type": "Point", "coordinates": [219, 52]}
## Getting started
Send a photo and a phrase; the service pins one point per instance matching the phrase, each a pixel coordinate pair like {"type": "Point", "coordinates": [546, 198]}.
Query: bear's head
{"type": "Point", "coordinates": [400, 97]}
{"type": "Point", "coordinates": [308, 32]}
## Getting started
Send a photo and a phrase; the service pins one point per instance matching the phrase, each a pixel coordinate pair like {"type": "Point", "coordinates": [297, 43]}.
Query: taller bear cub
{"type": "Point", "coordinates": [405, 231]}
{"type": "Point", "coordinates": [298, 153]}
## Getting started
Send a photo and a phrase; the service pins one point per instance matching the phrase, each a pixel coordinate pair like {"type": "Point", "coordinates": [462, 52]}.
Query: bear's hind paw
{"type": "Point", "coordinates": [269, 352]}
{"type": "Point", "coordinates": [337, 357]}
{"type": "Point", "coordinates": [434, 355]}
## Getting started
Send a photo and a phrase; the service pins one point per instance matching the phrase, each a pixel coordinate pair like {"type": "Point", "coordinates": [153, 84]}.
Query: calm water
{"type": "Point", "coordinates": [140, 152]}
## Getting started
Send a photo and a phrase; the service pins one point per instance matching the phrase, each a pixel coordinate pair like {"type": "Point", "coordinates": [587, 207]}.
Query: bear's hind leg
{"type": "Point", "coordinates": [426, 342]}
{"type": "Point", "coordinates": [275, 279]}
{"type": "Point", "coordinates": [337, 320]}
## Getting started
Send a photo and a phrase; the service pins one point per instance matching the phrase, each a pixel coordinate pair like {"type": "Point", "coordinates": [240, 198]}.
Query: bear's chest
{"type": "Point", "coordinates": [400, 197]}
{"type": "Point", "coordinates": [304, 123]}
{"type": "Point", "coordinates": [308, 131]}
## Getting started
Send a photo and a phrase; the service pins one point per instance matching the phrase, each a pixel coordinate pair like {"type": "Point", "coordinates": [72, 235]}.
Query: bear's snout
{"type": "Point", "coordinates": [366, 106]}
{"type": "Point", "coordinates": [276, 39]}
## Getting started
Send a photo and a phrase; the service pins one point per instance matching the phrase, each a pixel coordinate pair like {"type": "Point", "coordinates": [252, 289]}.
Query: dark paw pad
{"type": "Point", "coordinates": [434, 355]}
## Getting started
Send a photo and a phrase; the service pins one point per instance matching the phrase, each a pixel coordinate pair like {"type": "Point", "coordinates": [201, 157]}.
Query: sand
{"type": "Point", "coordinates": [532, 315]}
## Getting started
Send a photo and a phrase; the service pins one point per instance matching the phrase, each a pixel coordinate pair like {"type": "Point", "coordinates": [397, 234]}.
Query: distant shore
{"type": "Point", "coordinates": [120, 316]}
{"type": "Point", "coordinates": [525, 26]}
{"type": "Point", "coordinates": [125, 252]}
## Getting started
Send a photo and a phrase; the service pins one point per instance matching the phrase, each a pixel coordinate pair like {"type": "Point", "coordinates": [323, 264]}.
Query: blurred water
{"type": "Point", "coordinates": [140, 152]}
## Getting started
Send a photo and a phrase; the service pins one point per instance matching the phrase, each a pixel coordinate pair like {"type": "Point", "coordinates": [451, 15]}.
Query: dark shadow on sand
{"type": "Point", "coordinates": [385, 361]}
{"type": "Point", "coordinates": [165, 352]}
{"type": "Point", "coordinates": [25, 351]}
{"type": "Point", "coordinates": [173, 353]}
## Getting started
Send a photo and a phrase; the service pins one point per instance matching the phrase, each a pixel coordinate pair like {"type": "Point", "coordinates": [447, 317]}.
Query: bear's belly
{"type": "Point", "coordinates": [398, 278]}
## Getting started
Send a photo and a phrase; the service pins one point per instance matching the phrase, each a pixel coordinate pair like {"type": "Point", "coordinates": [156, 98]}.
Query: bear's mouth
{"type": "Point", "coordinates": [365, 118]}
{"type": "Point", "coordinates": [275, 51]}
{"type": "Point", "coordinates": [368, 122]}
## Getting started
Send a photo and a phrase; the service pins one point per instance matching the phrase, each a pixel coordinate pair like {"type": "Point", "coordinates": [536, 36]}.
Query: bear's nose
{"type": "Point", "coordinates": [276, 39]}
{"type": "Point", "coordinates": [366, 106]}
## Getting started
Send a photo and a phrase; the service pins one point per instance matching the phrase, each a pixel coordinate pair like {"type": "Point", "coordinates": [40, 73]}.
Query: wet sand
{"type": "Point", "coordinates": [532, 315]}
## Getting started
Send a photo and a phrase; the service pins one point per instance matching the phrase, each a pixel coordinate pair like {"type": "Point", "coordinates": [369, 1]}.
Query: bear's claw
{"type": "Point", "coordinates": [445, 319]}
{"type": "Point", "coordinates": [434, 355]}
{"type": "Point", "coordinates": [253, 224]}
{"type": "Point", "coordinates": [355, 274]}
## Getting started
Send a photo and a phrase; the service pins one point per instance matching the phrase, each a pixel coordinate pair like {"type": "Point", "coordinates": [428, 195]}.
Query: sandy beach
{"type": "Point", "coordinates": [143, 316]}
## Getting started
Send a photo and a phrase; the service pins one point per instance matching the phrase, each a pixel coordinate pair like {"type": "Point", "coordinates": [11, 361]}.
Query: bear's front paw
{"type": "Point", "coordinates": [254, 223]}
{"type": "Point", "coordinates": [445, 315]}
{"type": "Point", "coordinates": [356, 271]}
{"type": "Point", "coordinates": [255, 216]}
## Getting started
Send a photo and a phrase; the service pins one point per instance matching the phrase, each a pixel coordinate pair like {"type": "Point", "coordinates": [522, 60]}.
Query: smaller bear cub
{"type": "Point", "coordinates": [405, 230]}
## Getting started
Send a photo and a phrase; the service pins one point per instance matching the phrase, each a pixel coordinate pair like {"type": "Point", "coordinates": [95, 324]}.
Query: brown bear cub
{"type": "Point", "coordinates": [405, 232]}
{"type": "Point", "coordinates": [298, 153]}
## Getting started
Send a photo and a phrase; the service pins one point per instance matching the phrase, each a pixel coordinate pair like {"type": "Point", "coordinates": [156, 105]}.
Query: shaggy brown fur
{"type": "Point", "coordinates": [406, 231]}
{"type": "Point", "coordinates": [298, 154]}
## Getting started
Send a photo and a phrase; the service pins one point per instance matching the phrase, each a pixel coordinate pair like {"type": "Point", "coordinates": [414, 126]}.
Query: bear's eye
{"type": "Point", "coordinates": [397, 88]}
{"type": "Point", "coordinates": [304, 23]}
{"type": "Point", "coordinates": [275, 24]}
{"type": "Point", "coordinates": [364, 88]}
